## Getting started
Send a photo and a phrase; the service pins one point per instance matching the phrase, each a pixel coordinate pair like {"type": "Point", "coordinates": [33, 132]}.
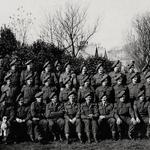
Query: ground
{"type": "Point", "coordinates": [104, 145]}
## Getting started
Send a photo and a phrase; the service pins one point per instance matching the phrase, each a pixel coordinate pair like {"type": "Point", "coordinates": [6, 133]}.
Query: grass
{"type": "Point", "coordinates": [104, 145]}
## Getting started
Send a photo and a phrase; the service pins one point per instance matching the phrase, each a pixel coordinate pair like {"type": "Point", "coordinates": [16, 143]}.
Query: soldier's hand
{"type": "Point", "coordinates": [133, 121]}
{"type": "Point", "coordinates": [101, 117]}
{"type": "Point", "coordinates": [119, 121]}
{"type": "Point", "coordinates": [61, 89]}
{"type": "Point", "coordinates": [138, 120]}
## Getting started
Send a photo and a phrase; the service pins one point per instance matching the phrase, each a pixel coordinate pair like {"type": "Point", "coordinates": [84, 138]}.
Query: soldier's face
{"type": "Point", "coordinates": [148, 80]}
{"type": "Point", "coordinates": [71, 98]}
{"type": "Point", "coordinates": [104, 98]}
{"type": "Point", "coordinates": [119, 81]}
{"type": "Point", "coordinates": [39, 100]}
{"type": "Point", "coordinates": [134, 80]}
{"type": "Point", "coordinates": [29, 66]}
{"type": "Point", "coordinates": [68, 85]}
{"type": "Point", "coordinates": [104, 83]}
{"type": "Point", "coordinates": [54, 99]}
{"type": "Point", "coordinates": [100, 70]}
{"type": "Point", "coordinates": [58, 67]}
{"type": "Point", "coordinates": [88, 99]}
{"type": "Point", "coordinates": [47, 83]}
{"type": "Point", "coordinates": [48, 68]}
{"type": "Point", "coordinates": [68, 68]}
{"type": "Point", "coordinates": [87, 83]}
{"type": "Point", "coordinates": [29, 82]}
{"type": "Point", "coordinates": [8, 82]}
{"type": "Point", "coordinates": [122, 99]}
{"type": "Point", "coordinates": [141, 98]}
{"type": "Point", "coordinates": [116, 69]}
{"type": "Point", "coordinates": [20, 102]}
{"type": "Point", "coordinates": [13, 67]}
{"type": "Point", "coordinates": [131, 69]}
{"type": "Point", "coordinates": [84, 70]}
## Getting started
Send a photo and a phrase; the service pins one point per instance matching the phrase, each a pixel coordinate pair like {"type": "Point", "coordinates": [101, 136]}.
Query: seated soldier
{"type": "Point", "coordinates": [124, 115]}
{"type": "Point", "coordinates": [142, 113]}
{"type": "Point", "coordinates": [20, 122]}
{"type": "Point", "coordinates": [106, 116]}
{"type": "Point", "coordinates": [55, 116]}
{"type": "Point", "coordinates": [47, 89]}
{"type": "Point", "coordinates": [89, 115]}
{"type": "Point", "coordinates": [72, 117]}
{"type": "Point", "coordinates": [37, 125]}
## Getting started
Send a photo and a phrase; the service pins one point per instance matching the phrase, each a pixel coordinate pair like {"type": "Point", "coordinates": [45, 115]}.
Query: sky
{"type": "Point", "coordinates": [116, 16]}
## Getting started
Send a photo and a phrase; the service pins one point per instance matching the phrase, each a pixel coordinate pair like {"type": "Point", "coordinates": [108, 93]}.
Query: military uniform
{"type": "Point", "coordinates": [147, 87]}
{"type": "Point", "coordinates": [55, 116]}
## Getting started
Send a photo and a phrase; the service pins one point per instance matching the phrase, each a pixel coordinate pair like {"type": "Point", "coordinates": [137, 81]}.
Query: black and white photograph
{"type": "Point", "coordinates": [74, 74]}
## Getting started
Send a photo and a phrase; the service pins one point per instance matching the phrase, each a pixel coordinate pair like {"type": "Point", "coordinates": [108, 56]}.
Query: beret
{"type": "Point", "coordinates": [56, 63]}
{"type": "Point", "coordinates": [133, 75]}
{"type": "Point", "coordinates": [147, 75]}
{"type": "Point", "coordinates": [13, 62]}
{"type": "Point", "coordinates": [116, 63]}
{"type": "Point", "coordinates": [46, 64]}
{"type": "Point", "coordinates": [28, 76]}
{"type": "Point", "coordinates": [46, 78]}
{"type": "Point", "coordinates": [104, 77]}
{"type": "Point", "coordinates": [28, 62]}
{"type": "Point", "coordinates": [71, 93]}
{"type": "Point", "coordinates": [122, 93]}
{"type": "Point", "coordinates": [119, 76]}
{"type": "Point", "coordinates": [141, 93]}
{"type": "Point", "coordinates": [86, 79]}
{"type": "Point", "coordinates": [52, 95]}
{"type": "Point", "coordinates": [87, 94]}
{"type": "Point", "coordinates": [98, 66]}
{"type": "Point", "coordinates": [39, 94]}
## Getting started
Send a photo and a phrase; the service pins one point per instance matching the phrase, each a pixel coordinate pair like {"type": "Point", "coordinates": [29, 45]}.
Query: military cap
{"type": "Point", "coordinates": [46, 64]}
{"type": "Point", "coordinates": [141, 93]}
{"type": "Point", "coordinates": [71, 93]}
{"type": "Point", "coordinates": [46, 78]}
{"type": "Point", "coordinates": [131, 65]}
{"type": "Point", "coordinates": [147, 75]}
{"type": "Point", "coordinates": [119, 76]}
{"type": "Point", "coordinates": [66, 64]}
{"type": "Point", "coordinates": [7, 76]}
{"type": "Point", "coordinates": [116, 63]}
{"type": "Point", "coordinates": [56, 63]}
{"type": "Point", "coordinates": [104, 77]}
{"type": "Point", "coordinates": [133, 75]}
{"type": "Point", "coordinates": [86, 79]}
{"type": "Point", "coordinates": [52, 95]}
{"type": "Point", "coordinates": [121, 94]}
{"type": "Point", "coordinates": [13, 62]}
{"type": "Point", "coordinates": [98, 66]}
{"type": "Point", "coordinates": [28, 77]}
{"type": "Point", "coordinates": [39, 94]}
{"type": "Point", "coordinates": [87, 94]}
{"type": "Point", "coordinates": [28, 62]}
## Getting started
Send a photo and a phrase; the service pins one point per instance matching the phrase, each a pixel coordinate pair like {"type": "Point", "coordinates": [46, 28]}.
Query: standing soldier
{"type": "Point", "coordinates": [37, 125]}
{"type": "Point", "coordinates": [28, 71]}
{"type": "Point", "coordinates": [96, 80]}
{"type": "Point", "coordinates": [72, 117]}
{"type": "Point", "coordinates": [106, 116]}
{"type": "Point", "coordinates": [105, 87]}
{"type": "Point", "coordinates": [47, 89]}
{"type": "Point", "coordinates": [147, 86]}
{"type": "Point", "coordinates": [28, 91]}
{"type": "Point", "coordinates": [142, 113]}
{"type": "Point", "coordinates": [89, 116]}
{"type": "Point", "coordinates": [117, 70]}
{"type": "Point", "coordinates": [87, 88]}
{"type": "Point", "coordinates": [55, 116]}
{"type": "Point", "coordinates": [82, 76]}
{"type": "Point", "coordinates": [124, 116]}
{"type": "Point", "coordinates": [120, 86]}
{"type": "Point", "coordinates": [48, 72]}
{"type": "Point", "coordinates": [68, 74]}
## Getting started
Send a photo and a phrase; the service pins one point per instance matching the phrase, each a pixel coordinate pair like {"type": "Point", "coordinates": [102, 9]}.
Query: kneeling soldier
{"type": "Point", "coordinates": [142, 113]}
{"type": "Point", "coordinates": [38, 124]}
{"type": "Point", "coordinates": [72, 117]}
{"type": "Point", "coordinates": [106, 116]}
{"type": "Point", "coordinates": [89, 115]}
{"type": "Point", "coordinates": [54, 114]}
{"type": "Point", "coordinates": [124, 115]}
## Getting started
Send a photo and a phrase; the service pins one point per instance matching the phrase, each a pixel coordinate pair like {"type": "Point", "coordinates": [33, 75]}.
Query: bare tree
{"type": "Point", "coordinates": [138, 44]}
{"type": "Point", "coordinates": [68, 29]}
{"type": "Point", "coordinates": [20, 23]}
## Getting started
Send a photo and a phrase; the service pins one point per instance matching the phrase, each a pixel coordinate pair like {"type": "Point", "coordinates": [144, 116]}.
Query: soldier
{"type": "Point", "coordinates": [96, 80]}
{"type": "Point", "coordinates": [28, 91]}
{"type": "Point", "coordinates": [21, 118]}
{"type": "Point", "coordinates": [89, 115]}
{"type": "Point", "coordinates": [120, 86]}
{"type": "Point", "coordinates": [105, 87]}
{"type": "Point", "coordinates": [82, 76]}
{"type": "Point", "coordinates": [147, 86]}
{"type": "Point", "coordinates": [124, 116]}
{"type": "Point", "coordinates": [72, 117]}
{"type": "Point", "coordinates": [142, 113]}
{"type": "Point", "coordinates": [37, 125]}
{"type": "Point", "coordinates": [86, 88]}
{"type": "Point", "coordinates": [29, 70]}
{"type": "Point", "coordinates": [47, 89]}
{"type": "Point", "coordinates": [63, 96]}
{"type": "Point", "coordinates": [134, 87]}
{"type": "Point", "coordinates": [117, 70]}
{"type": "Point", "coordinates": [7, 115]}
{"type": "Point", "coordinates": [48, 72]}
{"type": "Point", "coordinates": [106, 116]}
{"type": "Point", "coordinates": [68, 74]}
{"type": "Point", "coordinates": [55, 116]}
